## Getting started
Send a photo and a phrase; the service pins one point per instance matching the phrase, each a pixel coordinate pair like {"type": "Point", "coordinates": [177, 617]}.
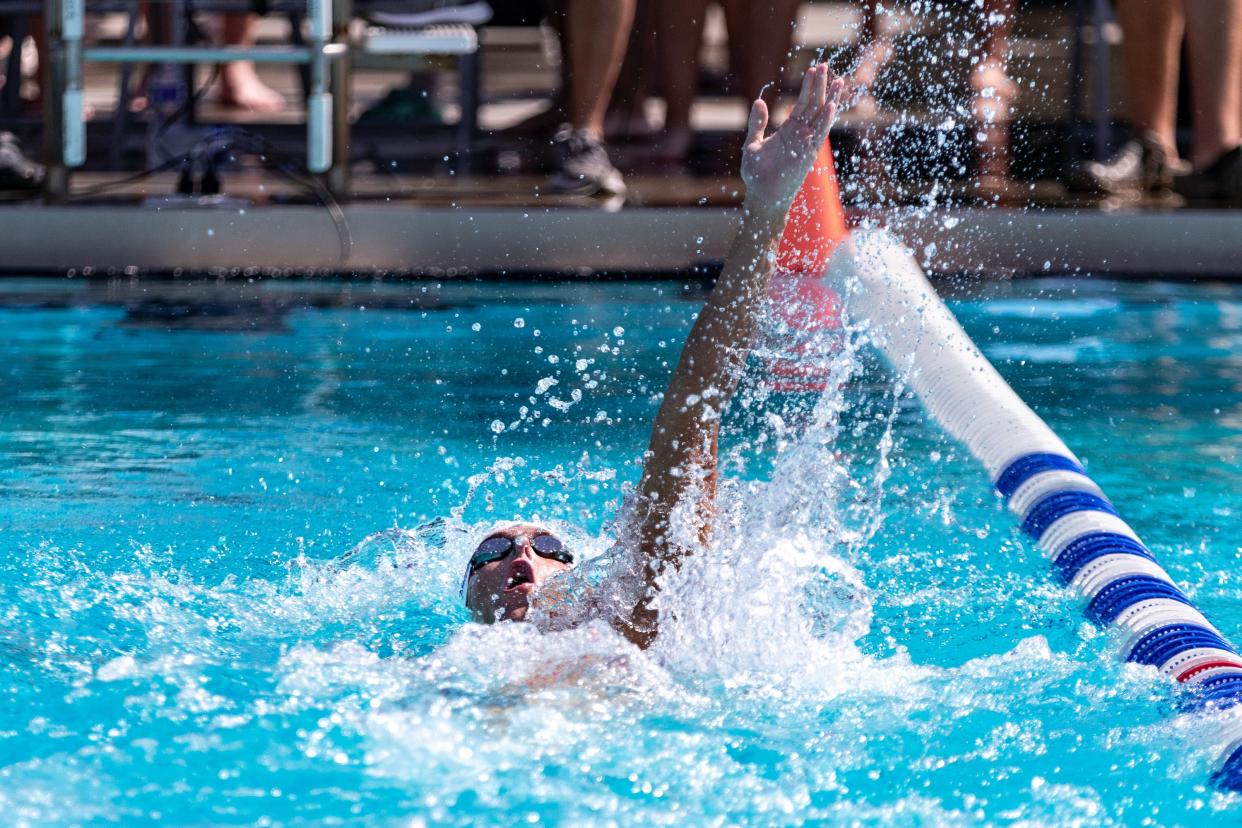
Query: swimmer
{"type": "Point", "coordinates": [510, 564]}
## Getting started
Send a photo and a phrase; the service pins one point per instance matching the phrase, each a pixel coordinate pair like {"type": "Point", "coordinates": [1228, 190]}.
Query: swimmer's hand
{"type": "Point", "coordinates": [774, 167]}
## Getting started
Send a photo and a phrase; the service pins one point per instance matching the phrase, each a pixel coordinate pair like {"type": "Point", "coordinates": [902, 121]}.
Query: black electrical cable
{"type": "Point", "coordinates": [293, 169]}
{"type": "Point", "coordinates": [129, 179]}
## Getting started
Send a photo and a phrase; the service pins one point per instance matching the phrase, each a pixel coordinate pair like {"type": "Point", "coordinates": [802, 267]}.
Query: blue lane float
{"type": "Point", "coordinates": [1091, 548]}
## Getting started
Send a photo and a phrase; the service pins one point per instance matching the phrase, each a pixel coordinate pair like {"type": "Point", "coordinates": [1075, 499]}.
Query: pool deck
{"type": "Point", "coordinates": [443, 222]}
{"type": "Point", "coordinates": [465, 230]}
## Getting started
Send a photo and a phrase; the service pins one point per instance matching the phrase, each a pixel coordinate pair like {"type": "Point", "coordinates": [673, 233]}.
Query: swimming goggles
{"type": "Point", "coordinates": [498, 547]}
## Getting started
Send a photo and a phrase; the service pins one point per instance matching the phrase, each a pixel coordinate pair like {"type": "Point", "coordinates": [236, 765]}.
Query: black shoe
{"type": "Point", "coordinates": [1220, 182]}
{"type": "Point", "coordinates": [1140, 167]}
{"type": "Point", "coordinates": [17, 172]}
{"type": "Point", "coordinates": [402, 107]}
{"type": "Point", "coordinates": [583, 166]}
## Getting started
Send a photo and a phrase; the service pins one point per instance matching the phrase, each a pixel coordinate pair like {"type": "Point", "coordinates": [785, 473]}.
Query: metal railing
{"type": "Point", "coordinates": [323, 53]}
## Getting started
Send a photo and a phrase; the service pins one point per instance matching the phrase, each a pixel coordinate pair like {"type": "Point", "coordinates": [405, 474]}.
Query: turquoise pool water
{"type": "Point", "coordinates": [183, 636]}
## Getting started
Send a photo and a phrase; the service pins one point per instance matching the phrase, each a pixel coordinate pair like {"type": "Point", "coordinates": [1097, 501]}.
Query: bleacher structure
{"type": "Point", "coordinates": [324, 45]}
{"type": "Point", "coordinates": [329, 40]}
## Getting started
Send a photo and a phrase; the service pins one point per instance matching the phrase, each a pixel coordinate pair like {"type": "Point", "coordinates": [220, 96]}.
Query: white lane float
{"type": "Point", "coordinates": [1092, 549]}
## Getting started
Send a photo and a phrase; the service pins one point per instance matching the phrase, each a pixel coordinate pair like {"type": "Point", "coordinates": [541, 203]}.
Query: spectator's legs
{"type": "Point", "coordinates": [595, 36]}
{"type": "Point", "coordinates": [36, 26]}
{"type": "Point", "coordinates": [1214, 35]}
{"type": "Point", "coordinates": [768, 55]}
{"type": "Point", "coordinates": [1151, 51]}
{"type": "Point", "coordinates": [990, 79]}
{"type": "Point", "coordinates": [875, 51]}
{"type": "Point", "coordinates": [993, 93]}
{"type": "Point", "coordinates": [1147, 165]}
{"type": "Point", "coordinates": [760, 33]}
{"type": "Point", "coordinates": [627, 112]}
{"type": "Point", "coordinates": [596, 32]}
{"type": "Point", "coordinates": [239, 82]}
{"type": "Point", "coordinates": [680, 27]}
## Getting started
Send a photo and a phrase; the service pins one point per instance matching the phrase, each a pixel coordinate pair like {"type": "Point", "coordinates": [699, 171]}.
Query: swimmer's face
{"type": "Point", "coordinates": [501, 590]}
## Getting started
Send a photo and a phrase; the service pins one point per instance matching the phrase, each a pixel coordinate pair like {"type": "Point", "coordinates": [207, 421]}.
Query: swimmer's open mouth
{"type": "Point", "coordinates": [521, 578]}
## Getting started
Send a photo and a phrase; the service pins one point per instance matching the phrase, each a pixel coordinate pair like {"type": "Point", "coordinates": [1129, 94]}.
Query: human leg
{"type": "Point", "coordinates": [596, 35]}
{"type": "Point", "coordinates": [1214, 32]}
{"type": "Point", "coordinates": [680, 28]}
{"type": "Point", "coordinates": [994, 91]}
{"type": "Point", "coordinates": [1214, 35]}
{"type": "Point", "coordinates": [759, 49]}
{"type": "Point", "coordinates": [240, 85]}
{"type": "Point", "coordinates": [1151, 53]}
{"type": "Point", "coordinates": [875, 51]}
{"type": "Point", "coordinates": [627, 111]}
{"type": "Point", "coordinates": [597, 32]}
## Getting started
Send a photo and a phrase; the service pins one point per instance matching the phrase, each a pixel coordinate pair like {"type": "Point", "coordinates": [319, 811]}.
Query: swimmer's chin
{"type": "Point", "coordinates": [514, 602]}
{"type": "Point", "coordinates": [517, 613]}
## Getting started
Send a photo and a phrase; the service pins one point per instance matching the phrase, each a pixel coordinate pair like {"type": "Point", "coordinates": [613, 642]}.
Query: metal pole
{"type": "Point", "coordinates": [340, 68]}
{"type": "Point", "coordinates": [73, 28]}
{"type": "Point", "coordinates": [319, 101]}
{"type": "Point", "coordinates": [1076, 82]}
{"type": "Point", "coordinates": [1101, 75]}
{"type": "Point", "coordinates": [468, 99]}
{"type": "Point", "coordinates": [56, 180]}
{"type": "Point", "coordinates": [197, 54]}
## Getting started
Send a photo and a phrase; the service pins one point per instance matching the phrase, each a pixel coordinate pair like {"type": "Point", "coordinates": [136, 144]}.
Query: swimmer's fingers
{"type": "Point", "coordinates": [802, 108]}
{"type": "Point", "coordinates": [758, 122]}
{"type": "Point", "coordinates": [828, 111]}
{"type": "Point", "coordinates": [811, 96]}
{"type": "Point", "coordinates": [821, 86]}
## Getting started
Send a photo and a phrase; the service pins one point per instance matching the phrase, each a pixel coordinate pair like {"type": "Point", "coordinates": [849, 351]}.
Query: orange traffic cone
{"type": "Point", "coordinates": [816, 223]}
{"type": "Point", "coordinates": [815, 227]}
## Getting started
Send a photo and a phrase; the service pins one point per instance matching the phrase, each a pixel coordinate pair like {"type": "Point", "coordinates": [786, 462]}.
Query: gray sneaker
{"type": "Point", "coordinates": [1140, 167]}
{"type": "Point", "coordinates": [583, 166]}
{"type": "Point", "coordinates": [1219, 183]}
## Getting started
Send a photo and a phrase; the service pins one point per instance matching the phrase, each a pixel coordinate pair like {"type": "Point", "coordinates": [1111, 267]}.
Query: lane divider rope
{"type": "Point", "coordinates": [1090, 546]}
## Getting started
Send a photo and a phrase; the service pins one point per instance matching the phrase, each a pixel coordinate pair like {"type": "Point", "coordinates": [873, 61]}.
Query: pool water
{"type": "Point", "coordinates": [201, 624]}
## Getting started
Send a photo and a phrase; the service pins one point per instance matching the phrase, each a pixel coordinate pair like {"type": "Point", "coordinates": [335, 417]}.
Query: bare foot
{"type": "Point", "coordinates": [994, 92]}
{"type": "Point", "coordinates": [241, 87]}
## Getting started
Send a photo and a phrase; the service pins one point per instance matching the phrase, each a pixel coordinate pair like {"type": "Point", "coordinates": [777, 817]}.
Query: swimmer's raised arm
{"type": "Point", "coordinates": [680, 466]}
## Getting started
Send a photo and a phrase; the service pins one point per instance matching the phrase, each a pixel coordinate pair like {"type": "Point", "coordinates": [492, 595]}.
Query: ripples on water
{"type": "Point", "coordinates": [192, 630]}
